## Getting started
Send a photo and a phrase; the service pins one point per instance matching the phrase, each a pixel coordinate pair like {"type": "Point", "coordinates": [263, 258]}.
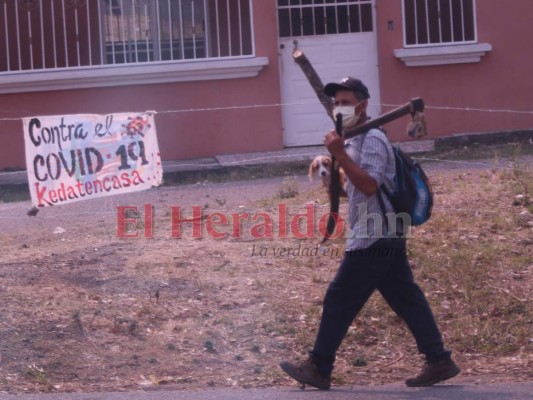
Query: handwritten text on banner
{"type": "Point", "coordinates": [79, 157]}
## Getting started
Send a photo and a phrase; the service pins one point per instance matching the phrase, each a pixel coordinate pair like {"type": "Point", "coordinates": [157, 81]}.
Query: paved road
{"type": "Point", "coordinates": [515, 391]}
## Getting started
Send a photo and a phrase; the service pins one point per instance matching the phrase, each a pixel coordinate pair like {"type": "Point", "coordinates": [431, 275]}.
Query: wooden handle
{"type": "Point", "coordinates": [315, 81]}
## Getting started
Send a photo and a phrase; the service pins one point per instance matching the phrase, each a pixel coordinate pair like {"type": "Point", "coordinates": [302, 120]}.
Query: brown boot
{"type": "Point", "coordinates": [307, 373]}
{"type": "Point", "coordinates": [434, 373]}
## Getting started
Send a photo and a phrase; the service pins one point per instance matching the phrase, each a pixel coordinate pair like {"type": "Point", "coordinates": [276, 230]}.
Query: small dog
{"type": "Point", "coordinates": [321, 166]}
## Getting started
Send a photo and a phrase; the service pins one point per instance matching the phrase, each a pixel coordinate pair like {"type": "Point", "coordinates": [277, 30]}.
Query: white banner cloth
{"type": "Point", "coordinates": [80, 157]}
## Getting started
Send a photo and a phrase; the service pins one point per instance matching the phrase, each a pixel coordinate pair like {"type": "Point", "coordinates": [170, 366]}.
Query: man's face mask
{"type": "Point", "coordinates": [349, 118]}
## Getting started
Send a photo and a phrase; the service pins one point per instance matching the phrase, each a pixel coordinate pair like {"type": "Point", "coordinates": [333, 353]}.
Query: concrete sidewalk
{"type": "Point", "coordinates": [503, 391]}
{"type": "Point", "coordinates": [292, 154]}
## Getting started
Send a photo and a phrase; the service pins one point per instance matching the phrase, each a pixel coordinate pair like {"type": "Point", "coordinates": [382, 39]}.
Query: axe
{"type": "Point", "coordinates": [417, 127]}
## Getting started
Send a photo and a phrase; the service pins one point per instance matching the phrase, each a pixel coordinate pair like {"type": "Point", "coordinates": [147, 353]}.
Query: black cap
{"type": "Point", "coordinates": [355, 85]}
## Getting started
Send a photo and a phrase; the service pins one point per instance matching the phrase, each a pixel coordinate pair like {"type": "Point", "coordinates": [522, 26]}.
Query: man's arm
{"type": "Point", "coordinates": [360, 178]}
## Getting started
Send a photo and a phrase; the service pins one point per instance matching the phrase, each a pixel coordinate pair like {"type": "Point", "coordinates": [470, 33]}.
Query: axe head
{"type": "Point", "coordinates": [417, 127]}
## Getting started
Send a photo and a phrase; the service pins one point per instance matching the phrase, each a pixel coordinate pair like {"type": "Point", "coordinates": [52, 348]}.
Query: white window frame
{"type": "Point", "coordinates": [457, 52]}
{"type": "Point", "coordinates": [106, 75]}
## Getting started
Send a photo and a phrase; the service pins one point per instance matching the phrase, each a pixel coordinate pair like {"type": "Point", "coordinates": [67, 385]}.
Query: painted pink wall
{"type": "Point", "coordinates": [182, 135]}
{"type": "Point", "coordinates": [502, 80]}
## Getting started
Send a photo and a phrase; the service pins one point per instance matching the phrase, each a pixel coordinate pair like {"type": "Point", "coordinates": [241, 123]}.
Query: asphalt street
{"type": "Point", "coordinates": [502, 391]}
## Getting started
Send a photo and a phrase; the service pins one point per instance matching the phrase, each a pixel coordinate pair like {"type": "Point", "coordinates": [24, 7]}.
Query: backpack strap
{"type": "Point", "coordinates": [381, 189]}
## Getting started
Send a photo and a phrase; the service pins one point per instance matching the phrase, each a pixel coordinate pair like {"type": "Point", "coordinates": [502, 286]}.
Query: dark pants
{"type": "Point", "coordinates": [382, 266]}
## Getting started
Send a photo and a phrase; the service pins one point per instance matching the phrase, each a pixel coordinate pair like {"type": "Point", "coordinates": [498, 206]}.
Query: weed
{"type": "Point", "coordinates": [288, 189]}
{"type": "Point", "coordinates": [37, 374]}
{"type": "Point", "coordinates": [209, 346]}
{"type": "Point", "coordinates": [359, 362]}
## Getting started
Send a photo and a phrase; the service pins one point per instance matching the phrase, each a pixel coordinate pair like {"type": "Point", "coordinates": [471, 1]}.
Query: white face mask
{"type": "Point", "coordinates": [349, 118]}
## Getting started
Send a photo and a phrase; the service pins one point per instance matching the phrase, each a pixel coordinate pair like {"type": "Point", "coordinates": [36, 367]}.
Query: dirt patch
{"type": "Point", "coordinates": [85, 310]}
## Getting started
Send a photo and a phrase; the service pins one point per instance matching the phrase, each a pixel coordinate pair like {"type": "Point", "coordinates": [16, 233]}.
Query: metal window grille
{"type": "Point", "coordinates": [438, 22]}
{"type": "Point", "coordinates": [52, 34]}
{"type": "Point", "coordinates": [324, 17]}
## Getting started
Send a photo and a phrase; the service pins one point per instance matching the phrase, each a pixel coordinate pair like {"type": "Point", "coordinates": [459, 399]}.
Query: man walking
{"type": "Point", "coordinates": [374, 259]}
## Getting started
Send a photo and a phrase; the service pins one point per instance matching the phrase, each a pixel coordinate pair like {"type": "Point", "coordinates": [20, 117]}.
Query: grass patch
{"type": "Point", "coordinates": [478, 151]}
{"type": "Point", "coordinates": [199, 313]}
{"type": "Point", "coordinates": [14, 192]}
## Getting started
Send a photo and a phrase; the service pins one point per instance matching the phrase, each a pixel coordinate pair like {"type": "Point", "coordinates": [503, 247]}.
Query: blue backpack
{"type": "Point", "coordinates": [412, 193]}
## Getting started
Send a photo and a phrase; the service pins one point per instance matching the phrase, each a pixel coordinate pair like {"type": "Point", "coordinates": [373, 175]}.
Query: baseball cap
{"type": "Point", "coordinates": [348, 83]}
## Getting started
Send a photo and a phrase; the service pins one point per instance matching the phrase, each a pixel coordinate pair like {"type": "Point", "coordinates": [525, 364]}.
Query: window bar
{"type": "Point", "coordinates": [90, 41]}
{"type": "Point", "coordinates": [122, 31]}
{"type": "Point", "coordinates": [348, 15]}
{"type": "Point", "coordinates": [134, 26]}
{"type": "Point", "coordinates": [239, 5]}
{"type": "Point", "coordinates": [126, 28]}
{"type": "Point", "coordinates": [360, 17]}
{"type": "Point", "coordinates": [252, 34]}
{"type": "Point", "coordinates": [206, 42]}
{"type": "Point", "coordinates": [42, 33]}
{"type": "Point", "coordinates": [100, 32]}
{"type": "Point", "coordinates": [130, 31]}
{"type": "Point", "coordinates": [76, 23]}
{"type": "Point", "coordinates": [108, 29]}
{"type": "Point", "coordinates": [463, 38]}
{"type": "Point", "coordinates": [314, 19]}
{"type": "Point", "coordinates": [218, 30]}
{"type": "Point", "coordinates": [440, 20]}
{"type": "Point", "coordinates": [301, 19]}
{"type": "Point", "coordinates": [290, 21]}
{"type": "Point", "coordinates": [415, 10]}
{"type": "Point", "coordinates": [427, 23]}
{"type": "Point", "coordinates": [28, 13]}
{"type": "Point", "coordinates": [452, 22]}
{"type": "Point", "coordinates": [229, 27]}
{"type": "Point", "coordinates": [336, 19]}
{"type": "Point", "coordinates": [18, 36]}
{"type": "Point", "coordinates": [54, 34]}
{"type": "Point", "coordinates": [475, 20]}
{"type": "Point", "coordinates": [7, 38]}
{"type": "Point", "coordinates": [325, 20]}
{"type": "Point", "coordinates": [111, 23]}
{"type": "Point", "coordinates": [182, 33]}
{"type": "Point", "coordinates": [157, 31]}
{"type": "Point", "coordinates": [170, 27]}
{"type": "Point", "coordinates": [146, 30]}
{"type": "Point", "coordinates": [193, 31]}
{"type": "Point", "coordinates": [65, 32]}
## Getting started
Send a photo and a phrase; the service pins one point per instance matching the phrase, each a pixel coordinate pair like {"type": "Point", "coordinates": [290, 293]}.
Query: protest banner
{"type": "Point", "coordinates": [80, 157]}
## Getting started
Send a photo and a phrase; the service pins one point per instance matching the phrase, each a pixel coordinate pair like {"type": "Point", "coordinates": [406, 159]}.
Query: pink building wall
{"type": "Point", "coordinates": [181, 135]}
{"type": "Point", "coordinates": [502, 80]}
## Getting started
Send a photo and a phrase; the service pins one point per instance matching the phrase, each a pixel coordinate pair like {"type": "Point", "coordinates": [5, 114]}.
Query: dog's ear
{"type": "Point", "coordinates": [312, 169]}
{"type": "Point", "coordinates": [343, 181]}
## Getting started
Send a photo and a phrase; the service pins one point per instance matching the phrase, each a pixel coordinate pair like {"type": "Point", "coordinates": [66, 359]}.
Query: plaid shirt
{"type": "Point", "coordinates": [373, 153]}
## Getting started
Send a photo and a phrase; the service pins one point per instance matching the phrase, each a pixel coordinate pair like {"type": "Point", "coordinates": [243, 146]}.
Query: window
{"type": "Point", "coordinates": [53, 34]}
{"type": "Point", "coordinates": [439, 22]}
{"type": "Point", "coordinates": [323, 17]}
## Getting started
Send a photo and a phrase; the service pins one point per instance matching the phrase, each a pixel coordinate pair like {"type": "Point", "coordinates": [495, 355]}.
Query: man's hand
{"type": "Point", "coordinates": [358, 176]}
{"type": "Point", "coordinates": [334, 144]}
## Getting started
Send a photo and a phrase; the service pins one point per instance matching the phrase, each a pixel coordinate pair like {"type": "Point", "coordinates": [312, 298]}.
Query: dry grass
{"type": "Point", "coordinates": [92, 312]}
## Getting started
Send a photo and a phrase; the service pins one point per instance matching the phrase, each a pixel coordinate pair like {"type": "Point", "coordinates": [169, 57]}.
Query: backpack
{"type": "Point", "coordinates": [412, 193]}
